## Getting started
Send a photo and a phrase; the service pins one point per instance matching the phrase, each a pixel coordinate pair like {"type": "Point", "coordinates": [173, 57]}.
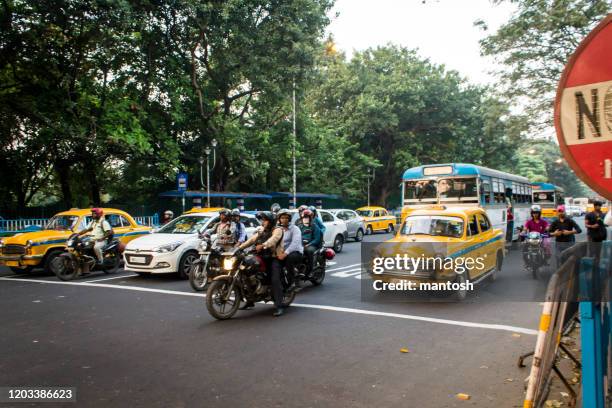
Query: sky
{"type": "Point", "coordinates": [442, 30]}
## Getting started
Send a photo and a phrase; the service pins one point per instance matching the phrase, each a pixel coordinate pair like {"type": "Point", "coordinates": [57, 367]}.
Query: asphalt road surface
{"type": "Point", "coordinates": [129, 341]}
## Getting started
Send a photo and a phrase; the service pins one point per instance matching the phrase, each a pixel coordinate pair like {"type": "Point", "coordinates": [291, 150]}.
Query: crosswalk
{"type": "Point", "coordinates": [348, 271]}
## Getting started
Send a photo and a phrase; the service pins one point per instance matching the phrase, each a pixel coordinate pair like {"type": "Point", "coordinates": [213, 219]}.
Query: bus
{"type": "Point", "coordinates": [459, 184]}
{"type": "Point", "coordinates": [548, 196]}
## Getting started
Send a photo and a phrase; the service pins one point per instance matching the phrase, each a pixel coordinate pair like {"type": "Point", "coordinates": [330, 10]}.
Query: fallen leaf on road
{"type": "Point", "coordinates": [553, 403]}
{"type": "Point", "coordinates": [509, 379]}
{"type": "Point", "coordinates": [463, 396]}
{"type": "Point", "coordinates": [484, 367]}
{"type": "Point", "coordinates": [516, 335]}
{"type": "Point", "coordinates": [564, 394]}
{"type": "Point", "coordinates": [404, 350]}
{"type": "Point", "coordinates": [574, 380]}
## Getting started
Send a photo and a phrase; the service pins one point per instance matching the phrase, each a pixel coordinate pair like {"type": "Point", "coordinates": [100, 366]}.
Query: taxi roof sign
{"type": "Point", "coordinates": [583, 109]}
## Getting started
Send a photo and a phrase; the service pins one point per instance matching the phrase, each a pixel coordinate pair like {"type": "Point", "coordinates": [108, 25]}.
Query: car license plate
{"type": "Point", "coordinates": [138, 259]}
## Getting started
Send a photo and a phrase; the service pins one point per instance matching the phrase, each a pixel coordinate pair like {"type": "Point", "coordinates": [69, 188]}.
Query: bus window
{"type": "Point", "coordinates": [544, 197]}
{"type": "Point", "coordinates": [485, 193]}
{"type": "Point", "coordinates": [420, 189]}
{"type": "Point", "coordinates": [460, 188]}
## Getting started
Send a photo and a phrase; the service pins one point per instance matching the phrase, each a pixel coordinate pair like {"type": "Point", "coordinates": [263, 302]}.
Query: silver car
{"type": "Point", "coordinates": [354, 223]}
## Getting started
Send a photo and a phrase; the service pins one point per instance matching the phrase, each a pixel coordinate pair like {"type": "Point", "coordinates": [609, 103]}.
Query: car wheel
{"type": "Point", "coordinates": [359, 235]}
{"type": "Point", "coordinates": [338, 243]}
{"type": "Point", "coordinates": [186, 263]}
{"type": "Point", "coordinates": [499, 260]}
{"type": "Point", "coordinates": [390, 228]}
{"type": "Point", "coordinates": [49, 260]}
{"type": "Point", "coordinates": [461, 294]}
{"type": "Point", "coordinates": [369, 230]}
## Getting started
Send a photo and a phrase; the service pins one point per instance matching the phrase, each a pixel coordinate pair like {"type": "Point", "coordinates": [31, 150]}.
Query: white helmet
{"type": "Point", "coordinates": [536, 208]}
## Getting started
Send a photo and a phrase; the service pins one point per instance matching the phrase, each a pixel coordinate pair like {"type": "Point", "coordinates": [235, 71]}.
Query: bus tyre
{"type": "Point", "coordinates": [461, 293]}
{"type": "Point", "coordinates": [369, 230]}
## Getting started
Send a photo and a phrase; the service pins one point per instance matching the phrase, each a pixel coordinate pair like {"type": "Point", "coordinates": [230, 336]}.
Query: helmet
{"type": "Point", "coordinates": [597, 203]}
{"type": "Point", "coordinates": [235, 211]}
{"type": "Point", "coordinates": [329, 254]}
{"type": "Point", "coordinates": [284, 211]}
{"type": "Point", "coordinates": [265, 215]}
{"type": "Point", "coordinates": [275, 208]}
{"type": "Point", "coordinates": [313, 209]}
{"type": "Point", "coordinates": [302, 208]}
{"type": "Point", "coordinates": [98, 211]}
{"type": "Point", "coordinates": [224, 211]}
{"type": "Point", "coordinates": [307, 213]}
{"type": "Point", "coordinates": [561, 208]}
{"type": "Point", "coordinates": [169, 213]}
{"type": "Point", "coordinates": [536, 208]}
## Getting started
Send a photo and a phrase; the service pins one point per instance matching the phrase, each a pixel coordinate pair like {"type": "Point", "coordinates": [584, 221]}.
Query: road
{"type": "Point", "coordinates": [129, 341]}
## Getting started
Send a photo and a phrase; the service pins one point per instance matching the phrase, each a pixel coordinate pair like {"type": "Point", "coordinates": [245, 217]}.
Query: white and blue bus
{"type": "Point", "coordinates": [458, 184]}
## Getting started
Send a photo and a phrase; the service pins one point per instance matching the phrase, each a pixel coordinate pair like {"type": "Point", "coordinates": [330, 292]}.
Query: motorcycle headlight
{"type": "Point", "coordinates": [203, 246]}
{"type": "Point", "coordinates": [168, 247]}
{"type": "Point", "coordinates": [70, 242]}
{"type": "Point", "coordinates": [535, 241]}
{"type": "Point", "coordinates": [228, 263]}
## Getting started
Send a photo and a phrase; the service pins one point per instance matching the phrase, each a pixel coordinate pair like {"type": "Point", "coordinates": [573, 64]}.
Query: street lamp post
{"type": "Point", "coordinates": [201, 160]}
{"type": "Point", "coordinates": [207, 151]}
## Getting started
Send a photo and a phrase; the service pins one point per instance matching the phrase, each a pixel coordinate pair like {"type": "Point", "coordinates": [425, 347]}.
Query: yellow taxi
{"type": "Point", "coordinates": [25, 251]}
{"type": "Point", "coordinates": [203, 209]}
{"type": "Point", "coordinates": [376, 219]}
{"type": "Point", "coordinates": [453, 235]}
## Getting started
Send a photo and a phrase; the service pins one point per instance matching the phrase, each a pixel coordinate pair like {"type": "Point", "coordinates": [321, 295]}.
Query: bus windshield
{"type": "Point", "coordinates": [420, 190]}
{"type": "Point", "coordinates": [458, 188]}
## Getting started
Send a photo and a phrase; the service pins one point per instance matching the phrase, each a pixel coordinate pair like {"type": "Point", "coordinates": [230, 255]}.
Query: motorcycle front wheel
{"type": "Point", "coordinates": [111, 265]}
{"type": "Point", "coordinates": [221, 302]}
{"type": "Point", "coordinates": [198, 277]}
{"type": "Point", "coordinates": [64, 268]}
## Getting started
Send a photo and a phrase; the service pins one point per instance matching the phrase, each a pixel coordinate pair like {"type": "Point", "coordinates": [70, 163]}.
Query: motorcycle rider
{"type": "Point", "coordinates": [536, 224]}
{"type": "Point", "coordinates": [317, 220]}
{"type": "Point", "coordinates": [167, 217]}
{"type": "Point", "coordinates": [225, 230]}
{"type": "Point", "coordinates": [311, 237]}
{"type": "Point", "coordinates": [267, 240]}
{"type": "Point", "coordinates": [240, 228]}
{"type": "Point", "coordinates": [275, 208]}
{"type": "Point", "coordinates": [292, 247]}
{"type": "Point", "coordinates": [100, 231]}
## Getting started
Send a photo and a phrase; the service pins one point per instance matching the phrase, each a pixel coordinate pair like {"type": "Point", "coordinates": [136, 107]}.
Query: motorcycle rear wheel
{"type": "Point", "coordinates": [115, 266]}
{"type": "Point", "coordinates": [64, 269]}
{"type": "Point", "coordinates": [198, 277]}
{"type": "Point", "coordinates": [318, 275]}
{"type": "Point", "coordinates": [218, 299]}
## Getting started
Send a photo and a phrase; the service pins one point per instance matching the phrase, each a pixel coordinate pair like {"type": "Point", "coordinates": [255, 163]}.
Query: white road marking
{"type": "Point", "coordinates": [344, 267]}
{"type": "Point", "coordinates": [347, 273]}
{"type": "Point", "coordinates": [114, 277]}
{"type": "Point", "coordinates": [513, 329]}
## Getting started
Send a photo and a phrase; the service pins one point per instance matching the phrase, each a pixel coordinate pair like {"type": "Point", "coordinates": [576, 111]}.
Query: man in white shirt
{"type": "Point", "coordinates": [100, 230]}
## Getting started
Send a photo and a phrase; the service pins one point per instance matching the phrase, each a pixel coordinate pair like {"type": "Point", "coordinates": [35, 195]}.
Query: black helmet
{"type": "Point", "coordinates": [235, 211]}
{"type": "Point", "coordinates": [224, 211]}
{"type": "Point", "coordinates": [313, 209]}
{"type": "Point", "coordinates": [265, 215]}
{"type": "Point", "coordinates": [275, 208]}
{"type": "Point", "coordinates": [284, 211]}
{"type": "Point", "coordinates": [597, 203]}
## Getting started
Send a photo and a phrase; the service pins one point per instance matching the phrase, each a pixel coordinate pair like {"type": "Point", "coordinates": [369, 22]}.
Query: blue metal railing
{"type": "Point", "coordinates": [8, 227]}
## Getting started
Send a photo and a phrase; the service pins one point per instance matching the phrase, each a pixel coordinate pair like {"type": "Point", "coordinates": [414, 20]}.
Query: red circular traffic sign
{"type": "Point", "coordinates": [583, 109]}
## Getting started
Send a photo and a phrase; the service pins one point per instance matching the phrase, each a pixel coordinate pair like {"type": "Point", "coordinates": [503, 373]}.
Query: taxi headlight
{"type": "Point", "coordinates": [228, 263]}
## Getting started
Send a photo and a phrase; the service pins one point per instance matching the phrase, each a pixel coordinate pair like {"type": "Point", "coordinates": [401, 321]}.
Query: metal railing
{"type": "Point", "coordinates": [148, 220]}
{"type": "Point", "coordinates": [21, 224]}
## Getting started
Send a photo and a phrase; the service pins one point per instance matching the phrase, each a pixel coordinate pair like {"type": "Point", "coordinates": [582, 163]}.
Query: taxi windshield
{"type": "Point", "coordinates": [420, 190]}
{"type": "Point", "coordinates": [62, 223]}
{"type": "Point", "coordinates": [433, 225]}
{"type": "Point", "coordinates": [365, 213]}
{"type": "Point", "coordinates": [189, 224]}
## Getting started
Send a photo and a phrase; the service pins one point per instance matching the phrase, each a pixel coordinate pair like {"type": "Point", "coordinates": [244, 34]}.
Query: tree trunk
{"type": "Point", "coordinates": [62, 168]}
{"type": "Point", "coordinates": [94, 184]}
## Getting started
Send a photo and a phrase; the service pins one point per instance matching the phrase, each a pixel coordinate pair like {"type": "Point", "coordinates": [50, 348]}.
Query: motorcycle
{"type": "Point", "coordinates": [208, 265]}
{"type": "Point", "coordinates": [80, 258]}
{"type": "Point", "coordinates": [316, 276]}
{"type": "Point", "coordinates": [533, 252]}
{"type": "Point", "coordinates": [244, 280]}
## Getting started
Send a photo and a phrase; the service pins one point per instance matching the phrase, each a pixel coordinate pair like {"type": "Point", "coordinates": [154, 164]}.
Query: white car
{"type": "Point", "coordinates": [354, 223]}
{"type": "Point", "coordinates": [336, 232]}
{"type": "Point", "coordinates": [173, 247]}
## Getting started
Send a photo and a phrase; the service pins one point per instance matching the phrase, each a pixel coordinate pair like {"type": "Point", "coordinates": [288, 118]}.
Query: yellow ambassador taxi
{"type": "Point", "coordinates": [203, 209]}
{"type": "Point", "coordinates": [447, 233]}
{"type": "Point", "coordinates": [24, 251]}
{"type": "Point", "coordinates": [376, 219]}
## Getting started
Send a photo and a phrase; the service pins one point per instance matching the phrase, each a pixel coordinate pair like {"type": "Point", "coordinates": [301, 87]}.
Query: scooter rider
{"type": "Point", "coordinates": [537, 224]}
{"type": "Point", "coordinates": [291, 244]}
{"type": "Point", "coordinates": [240, 228]}
{"type": "Point", "coordinates": [267, 240]}
{"type": "Point", "coordinates": [311, 237]}
{"type": "Point", "coordinates": [100, 230]}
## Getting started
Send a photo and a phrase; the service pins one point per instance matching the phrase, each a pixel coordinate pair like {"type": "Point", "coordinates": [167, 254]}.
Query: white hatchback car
{"type": "Point", "coordinates": [173, 247]}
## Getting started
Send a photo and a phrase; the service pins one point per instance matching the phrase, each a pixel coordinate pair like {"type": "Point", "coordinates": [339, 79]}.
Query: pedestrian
{"type": "Point", "coordinates": [596, 229]}
{"type": "Point", "coordinates": [564, 229]}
